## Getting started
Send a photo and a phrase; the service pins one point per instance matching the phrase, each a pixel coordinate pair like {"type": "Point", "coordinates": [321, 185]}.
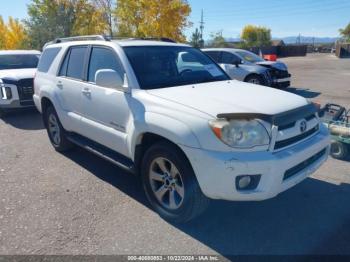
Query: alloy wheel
{"type": "Point", "coordinates": [54, 129]}
{"type": "Point", "coordinates": [166, 183]}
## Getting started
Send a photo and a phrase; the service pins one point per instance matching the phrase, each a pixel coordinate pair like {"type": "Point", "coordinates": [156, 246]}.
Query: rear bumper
{"type": "Point", "coordinates": [216, 172]}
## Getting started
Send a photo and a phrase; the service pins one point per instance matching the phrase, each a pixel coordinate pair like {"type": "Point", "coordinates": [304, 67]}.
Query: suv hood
{"type": "Point", "coordinates": [270, 64]}
{"type": "Point", "coordinates": [17, 74]}
{"type": "Point", "coordinates": [231, 97]}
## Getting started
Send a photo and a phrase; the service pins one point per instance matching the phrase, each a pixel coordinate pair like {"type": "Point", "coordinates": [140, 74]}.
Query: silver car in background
{"type": "Point", "coordinates": [248, 67]}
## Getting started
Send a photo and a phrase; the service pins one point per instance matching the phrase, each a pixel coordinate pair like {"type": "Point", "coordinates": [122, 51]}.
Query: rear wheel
{"type": "Point", "coordinates": [55, 131]}
{"type": "Point", "coordinates": [255, 79]}
{"type": "Point", "coordinates": [339, 150]}
{"type": "Point", "coordinates": [170, 184]}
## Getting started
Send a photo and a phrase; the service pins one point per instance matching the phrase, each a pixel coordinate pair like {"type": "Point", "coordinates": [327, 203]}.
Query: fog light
{"type": "Point", "coordinates": [247, 182]}
{"type": "Point", "coordinates": [244, 181]}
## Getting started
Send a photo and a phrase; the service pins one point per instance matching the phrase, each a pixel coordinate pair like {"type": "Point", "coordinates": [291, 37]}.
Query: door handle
{"type": "Point", "coordinates": [59, 85]}
{"type": "Point", "coordinates": [86, 91]}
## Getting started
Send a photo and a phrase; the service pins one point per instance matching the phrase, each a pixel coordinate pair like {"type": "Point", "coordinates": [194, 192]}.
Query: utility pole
{"type": "Point", "coordinates": [201, 27]}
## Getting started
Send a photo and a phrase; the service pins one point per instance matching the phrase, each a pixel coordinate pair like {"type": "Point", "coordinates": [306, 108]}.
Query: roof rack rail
{"type": "Point", "coordinates": [105, 38]}
{"type": "Point", "coordinates": [162, 39]}
{"type": "Point", "coordinates": [81, 38]}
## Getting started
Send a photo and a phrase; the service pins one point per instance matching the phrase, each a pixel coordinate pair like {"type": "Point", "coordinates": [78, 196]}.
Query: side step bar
{"type": "Point", "coordinates": [103, 152]}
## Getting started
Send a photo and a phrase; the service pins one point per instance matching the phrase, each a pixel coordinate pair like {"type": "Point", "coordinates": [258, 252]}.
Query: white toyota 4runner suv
{"type": "Point", "coordinates": [190, 132]}
{"type": "Point", "coordinates": [17, 70]}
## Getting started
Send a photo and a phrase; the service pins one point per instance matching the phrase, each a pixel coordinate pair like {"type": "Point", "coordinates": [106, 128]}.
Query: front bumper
{"type": "Point", "coordinates": [216, 172]}
{"type": "Point", "coordinates": [281, 80]}
{"type": "Point", "coordinates": [15, 101]}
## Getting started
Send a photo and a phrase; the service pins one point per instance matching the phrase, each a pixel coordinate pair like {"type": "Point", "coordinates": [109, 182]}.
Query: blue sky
{"type": "Point", "coordinates": [317, 18]}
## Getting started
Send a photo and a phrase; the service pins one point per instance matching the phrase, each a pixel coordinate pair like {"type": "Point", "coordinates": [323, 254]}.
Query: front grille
{"type": "Point", "coordinates": [25, 89]}
{"type": "Point", "coordinates": [287, 142]}
{"type": "Point", "coordinates": [292, 124]}
{"type": "Point", "coordinates": [279, 73]}
{"type": "Point", "coordinates": [300, 167]}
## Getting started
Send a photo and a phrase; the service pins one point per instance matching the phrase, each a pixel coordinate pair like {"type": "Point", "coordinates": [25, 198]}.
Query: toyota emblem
{"type": "Point", "coordinates": [303, 126]}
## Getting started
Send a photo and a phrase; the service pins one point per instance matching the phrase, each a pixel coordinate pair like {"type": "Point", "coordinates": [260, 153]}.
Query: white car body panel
{"type": "Point", "coordinates": [231, 96]}
{"type": "Point", "coordinates": [118, 120]}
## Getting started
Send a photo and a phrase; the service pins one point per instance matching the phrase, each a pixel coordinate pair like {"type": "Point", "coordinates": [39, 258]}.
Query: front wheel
{"type": "Point", "coordinates": [170, 184]}
{"type": "Point", "coordinates": [255, 79]}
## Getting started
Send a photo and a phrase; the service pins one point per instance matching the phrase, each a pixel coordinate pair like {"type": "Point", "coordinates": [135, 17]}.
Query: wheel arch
{"type": "Point", "coordinates": [253, 74]}
{"type": "Point", "coordinates": [156, 127]}
{"type": "Point", "coordinates": [45, 103]}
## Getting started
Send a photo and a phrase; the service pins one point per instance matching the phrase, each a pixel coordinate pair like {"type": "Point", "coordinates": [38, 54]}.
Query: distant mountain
{"type": "Point", "coordinates": [293, 39]}
{"type": "Point", "coordinates": [308, 39]}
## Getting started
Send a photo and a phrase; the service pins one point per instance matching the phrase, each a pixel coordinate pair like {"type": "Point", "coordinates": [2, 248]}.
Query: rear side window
{"type": "Point", "coordinates": [228, 58]}
{"type": "Point", "coordinates": [47, 58]}
{"type": "Point", "coordinates": [215, 55]}
{"type": "Point", "coordinates": [75, 67]}
{"type": "Point", "coordinates": [103, 58]}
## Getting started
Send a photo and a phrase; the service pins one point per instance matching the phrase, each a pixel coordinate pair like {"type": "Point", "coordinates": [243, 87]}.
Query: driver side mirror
{"type": "Point", "coordinates": [238, 62]}
{"type": "Point", "coordinates": [111, 79]}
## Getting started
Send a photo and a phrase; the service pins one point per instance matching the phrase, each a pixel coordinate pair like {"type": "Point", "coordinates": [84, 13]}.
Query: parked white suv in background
{"type": "Point", "coordinates": [185, 127]}
{"type": "Point", "coordinates": [17, 69]}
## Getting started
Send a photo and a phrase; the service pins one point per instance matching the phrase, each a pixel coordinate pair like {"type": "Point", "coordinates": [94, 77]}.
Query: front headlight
{"type": "Point", "coordinates": [241, 133]}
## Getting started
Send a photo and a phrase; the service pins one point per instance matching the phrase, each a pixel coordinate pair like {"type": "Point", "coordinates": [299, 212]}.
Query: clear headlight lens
{"type": "Point", "coordinates": [241, 133]}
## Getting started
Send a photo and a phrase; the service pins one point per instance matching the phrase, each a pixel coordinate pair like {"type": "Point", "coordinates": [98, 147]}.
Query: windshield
{"type": "Point", "coordinates": [167, 66]}
{"type": "Point", "coordinates": [18, 61]}
{"type": "Point", "coordinates": [250, 57]}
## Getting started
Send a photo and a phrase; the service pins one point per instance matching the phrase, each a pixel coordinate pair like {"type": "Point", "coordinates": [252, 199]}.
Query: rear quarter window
{"type": "Point", "coordinates": [47, 58]}
{"type": "Point", "coordinates": [215, 55]}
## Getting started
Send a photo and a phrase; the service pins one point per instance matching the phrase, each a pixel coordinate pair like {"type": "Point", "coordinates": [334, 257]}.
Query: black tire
{"type": "Point", "coordinates": [255, 79]}
{"type": "Point", "coordinates": [62, 144]}
{"type": "Point", "coordinates": [193, 203]}
{"type": "Point", "coordinates": [339, 150]}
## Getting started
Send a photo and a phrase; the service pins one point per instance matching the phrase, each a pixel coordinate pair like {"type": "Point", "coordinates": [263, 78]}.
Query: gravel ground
{"type": "Point", "coordinates": [76, 203]}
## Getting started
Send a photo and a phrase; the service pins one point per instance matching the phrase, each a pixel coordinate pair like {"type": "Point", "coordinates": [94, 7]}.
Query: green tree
{"type": "Point", "coordinates": [50, 19]}
{"type": "Point", "coordinates": [217, 40]}
{"type": "Point", "coordinates": [256, 36]}
{"type": "Point", "coordinates": [106, 7]}
{"type": "Point", "coordinates": [196, 40]}
{"type": "Point", "coordinates": [88, 19]}
{"type": "Point", "coordinates": [345, 32]}
{"type": "Point", "coordinates": [152, 18]}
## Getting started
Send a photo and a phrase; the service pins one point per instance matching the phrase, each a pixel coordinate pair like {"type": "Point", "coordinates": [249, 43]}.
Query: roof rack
{"type": "Point", "coordinates": [81, 38]}
{"type": "Point", "coordinates": [162, 39]}
{"type": "Point", "coordinates": [105, 38]}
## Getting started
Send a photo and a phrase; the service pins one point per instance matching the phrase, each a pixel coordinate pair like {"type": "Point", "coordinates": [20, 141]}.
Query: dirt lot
{"type": "Point", "coordinates": [321, 77]}
{"type": "Point", "coordinates": [76, 203]}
